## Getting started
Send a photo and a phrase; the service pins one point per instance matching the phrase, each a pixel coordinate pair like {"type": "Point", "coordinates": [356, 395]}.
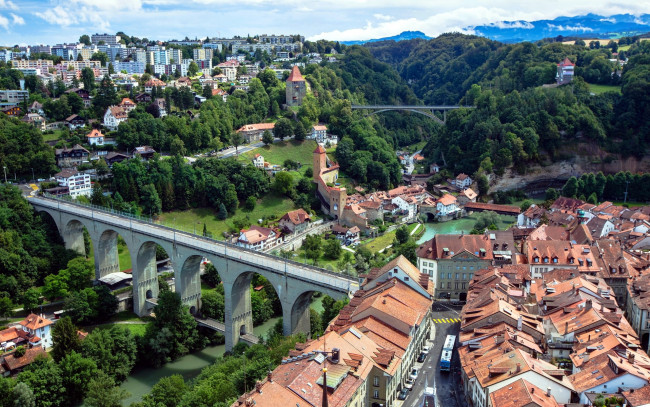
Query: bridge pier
{"type": "Point", "coordinates": [187, 280]}
{"type": "Point", "coordinates": [296, 316]}
{"type": "Point", "coordinates": [73, 237]}
{"type": "Point", "coordinates": [238, 309]}
{"type": "Point", "coordinates": [107, 260]}
{"type": "Point", "coordinates": [145, 278]}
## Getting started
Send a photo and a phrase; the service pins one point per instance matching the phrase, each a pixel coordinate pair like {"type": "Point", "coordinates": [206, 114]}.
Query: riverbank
{"type": "Point", "coordinates": [458, 226]}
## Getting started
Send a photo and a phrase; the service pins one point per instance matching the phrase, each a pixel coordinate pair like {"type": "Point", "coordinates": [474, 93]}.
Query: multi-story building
{"type": "Point", "coordinates": [175, 55]}
{"type": "Point", "coordinates": [77, 183]}
{"type": "Point", "coordinates": [452, 260]}
{"type": "Point", "coordinates": [71, 157]}
{"type": "Point", "coordinates": [638, 308]}
{"type": "Point", "coordinates": [131, 67]}
{"type": "Point", "coordinates": [14, 97]}
{"type": "Point", "coordinates": [108, 39]}
{"type": "Point", "coordinates": [202, 53]}
{"type": "Point", "coordinates": [565, 72]}
{"type": "Point", "coordinates": [114, 116]}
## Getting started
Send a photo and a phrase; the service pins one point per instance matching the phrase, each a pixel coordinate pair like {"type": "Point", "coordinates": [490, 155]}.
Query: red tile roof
{"type": "Point", "coordinates": [296, 217]}
{"type": "Point", "coordinates": [295, 75]}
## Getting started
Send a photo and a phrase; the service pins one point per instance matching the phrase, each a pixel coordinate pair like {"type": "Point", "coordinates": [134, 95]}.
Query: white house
{"type": "Point", "coordinates": [38, 326]}
{"type": "Point", "coordinates": [531, 217]}
{"type": "Point", "coordinates": [462, 181]}
{"type": "Point", "coordinates": [77, 183]}
{"type": "Point", "coordinates": [319, 132]}
{"type": "Point", "coordinates": [407, 204]}
{"type": "Point", "coordinates": [258, 238]}
{"type": "Point", "coordinates": [447, 204]}
{"type": "Point", "coordinates": [114, 116]}
{"type": "Point", "coordinates": [258, 161]}
{"type": "Point", "coordinates": [95, 138]}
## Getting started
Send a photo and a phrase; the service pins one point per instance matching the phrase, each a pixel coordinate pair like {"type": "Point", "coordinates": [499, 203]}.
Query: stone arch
{"type": "Point", "coordinates": [145, 276]}
{"type": "Point", "coordinates": [49, 218]}
{"type": "Point", "coordinates": [193, 310]}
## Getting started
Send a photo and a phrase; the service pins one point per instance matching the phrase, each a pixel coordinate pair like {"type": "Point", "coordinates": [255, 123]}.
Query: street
{"type": "Point", "coordinates": [446, 384]}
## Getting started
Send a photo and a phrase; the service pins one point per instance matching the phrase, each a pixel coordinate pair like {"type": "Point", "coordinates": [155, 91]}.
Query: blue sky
{"type": "Point", "coordinates": [55, 21]}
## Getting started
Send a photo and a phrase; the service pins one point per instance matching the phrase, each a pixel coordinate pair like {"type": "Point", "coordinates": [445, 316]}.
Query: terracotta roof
{"type": "Point", "coordinates": [320, 128]}
{"type": "Point", "coordinates": [566, 62]}
{"type": "Point", "coordinates": [296, 217]}
{"type": "Point", "coordinates": [295, 75]}
{"type": "Point", "coordinates": [94, 134]}
{"type": "Point", "coordinates": [118, 112]}
{"type": "Point", "coordinates": [521, 393]}
{"type": "Point", "coordinates": [33, 322]}
{"type": "Point", "coordinates": [257, 127]}
{"type": "Point", "coordinates": [14, 363]}
{"type": "Point", "coordinates": [456, 244]}
{"type": "Point", "coordinates": [462, 176]}
{"type": "Point", "coordinates": [66, 173]}
{"type": "Point", "coordinates": [567, 203]}
{"type": "Point", "coordinates": [255, 234]}
{"type": "Point", "coordinates": [320, 150]}
{"type": "Point", "coordinates": [447, 199]}
{"type": "Point", "coordinates": [492, 207]}
{"type": "Point", "coordinates": [637, 397]}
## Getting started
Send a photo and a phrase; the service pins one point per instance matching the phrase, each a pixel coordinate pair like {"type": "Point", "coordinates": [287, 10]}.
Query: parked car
{"type": "Point", "coordinates": [409, 383]}
{"type": "Point", "coordinates": [414, 373]}
{"type": "Point", "coordinates": [426, 350]}
{"type": "Point", "coordinates": [422, 357]}
{"type": "Point", "coordinates": [402, 394]}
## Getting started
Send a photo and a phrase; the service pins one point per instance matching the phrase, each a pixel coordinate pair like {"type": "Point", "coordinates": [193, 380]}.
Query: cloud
{"type": "Point", "coordinates": [512, 24]}
{"type": "Point", "coordinates": [58, 15]}
{"type": "Point", "coordinates": [7, 4]}
{"type": "Point", "coordinates": [17, 20]}
{"type": "Point", "coordinates": [609, 20]}
{"type": "Point", "coordinates": [382, 17]}
{"type": "Point", "coordinates": [575, 28]}
{"type": "Point", "coordinates": [4, 22]}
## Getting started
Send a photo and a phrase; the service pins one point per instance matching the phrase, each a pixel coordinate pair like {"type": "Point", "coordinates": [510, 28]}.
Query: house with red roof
{"type": "Point", "coordinates": [296, 87]}
{"type": "Point", "coordinates": [259, 238]}
{"type": "Point", "coordinates": [295, 221]}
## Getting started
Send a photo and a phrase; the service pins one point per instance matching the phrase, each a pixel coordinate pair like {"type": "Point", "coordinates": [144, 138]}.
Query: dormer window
{"type": "Point", "coordinates": [581, 262]}
{"type": "Point", "coordinates": [535, 259]}
{"type": "Point", "coordinates": [571, 260]}
{"type": "Point", "coordinates": [554, 259]}
{"type": "Point", "coordinates": [545, 259]}
{"type": "Point", "coordinates": [589, 262]}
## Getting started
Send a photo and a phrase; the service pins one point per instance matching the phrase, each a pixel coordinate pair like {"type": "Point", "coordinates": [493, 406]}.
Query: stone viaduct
{"type": "Point", "coordinates": [294, 282]}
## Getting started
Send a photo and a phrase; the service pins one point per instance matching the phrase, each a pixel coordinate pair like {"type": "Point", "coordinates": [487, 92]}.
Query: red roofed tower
{"type": "Point", "coordinates": [296, 88]}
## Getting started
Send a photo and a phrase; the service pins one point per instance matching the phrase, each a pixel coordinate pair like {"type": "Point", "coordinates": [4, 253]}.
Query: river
{"type": "Point", "coordinates": [464, 225]}
{"type": "Point", "coordinates": [189, 366]}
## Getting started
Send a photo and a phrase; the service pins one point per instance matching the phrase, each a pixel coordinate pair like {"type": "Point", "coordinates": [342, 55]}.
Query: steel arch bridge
{"type": "Point", "coordinates": [423, 110]}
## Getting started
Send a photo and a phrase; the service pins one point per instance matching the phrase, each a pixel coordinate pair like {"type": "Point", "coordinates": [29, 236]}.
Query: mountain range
{"type": "Point", "coordinates": [587, 26]}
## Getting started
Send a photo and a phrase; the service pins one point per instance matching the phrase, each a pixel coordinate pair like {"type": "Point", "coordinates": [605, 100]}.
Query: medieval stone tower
{"type": "Point", "coordinates": [296, 88]}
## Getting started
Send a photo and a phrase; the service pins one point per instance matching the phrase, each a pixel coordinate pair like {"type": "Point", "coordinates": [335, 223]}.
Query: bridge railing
{"type": "Point", "coordinates": [193, 239]}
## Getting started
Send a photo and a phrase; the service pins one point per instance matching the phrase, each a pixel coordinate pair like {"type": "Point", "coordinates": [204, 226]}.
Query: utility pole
{"type": "Point", "coordinates": [5, 170]}
{"type": "Point", "coordinates": [627, 183]}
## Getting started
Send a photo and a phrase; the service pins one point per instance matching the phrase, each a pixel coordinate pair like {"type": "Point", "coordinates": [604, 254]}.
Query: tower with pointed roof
{"type": "Point", "coordinates": [565, 71]}
{"type": "Point", "coordinates": [296, 88]}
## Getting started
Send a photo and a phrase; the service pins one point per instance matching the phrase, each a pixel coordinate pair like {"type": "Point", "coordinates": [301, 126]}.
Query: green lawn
{"type": "Point", "coordinates": [277, 153]}
{"type": "Point", "coordinates": [136, 329]}
{"type": "Point", "coordinates": [53, 136]}
{"type": "Point", "coordinates": [122, 253]}
{"type": "Point", "coordinates": [624, 48]}
{"type": "Point", "coordinates": [381, 242]}
{"type": "Point", "coordinates": [193, 219]}
{"type": "Point", "coordinates": [598, 89]}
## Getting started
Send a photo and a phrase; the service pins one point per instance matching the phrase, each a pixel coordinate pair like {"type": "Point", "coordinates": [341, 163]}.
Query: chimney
{"type": "Point", "coordinates": [566, 327]}
{"type": "Point", "coordinates": [548, 391]}
{"type": "Point", "coordinates": [519, 322]}
{"type": "Point", "coordinates": [588, 305]}
{"type": "Point", "coordinates": [518, 367]}
{"type": "Point", "coordinates": [335, 355]}
{"type": "Point", "coordinates": [532, 390]}
{"type": "Point", "coordinates": [258, 387]}
{"type": "Point", "coordinates": [269, 376]}
{"type": "Point", "coordinates": [630, 357]}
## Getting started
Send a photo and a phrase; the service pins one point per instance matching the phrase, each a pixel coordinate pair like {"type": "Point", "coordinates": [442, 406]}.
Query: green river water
{"type": "Point", "coordinates": [189, 366]}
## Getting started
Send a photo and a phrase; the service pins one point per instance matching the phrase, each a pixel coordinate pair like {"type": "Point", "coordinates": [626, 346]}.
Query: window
{"type": "Point", "coordinates": [406, 279]}
{"type": "Point", "coordinates": [456, 286]}
{"type": "Point", "coordinates": [375, 381]}
{"type": "Point", "coordinates": [448, 285]}
{"type": "Point", "coordinates": [375, 394]}
{"type": "Point", "coordinates": [536, 259]}
{"type": "Point", "coordinates": [442, 276]}
{"type": "Point", "coordinates": [449, 276]}
{"type": "Point", "coordinates": [464, 284]}
{"type": "Point", "coordinates": [457, 276]}
{"type": "Point", "coordinates": [464, 276]}
{"type": "Point", "coordinates": [442, 285]}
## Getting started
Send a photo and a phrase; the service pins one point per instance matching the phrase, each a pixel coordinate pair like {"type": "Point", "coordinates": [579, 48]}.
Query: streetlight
{"type": "Point", "coordinates": [5, 169]}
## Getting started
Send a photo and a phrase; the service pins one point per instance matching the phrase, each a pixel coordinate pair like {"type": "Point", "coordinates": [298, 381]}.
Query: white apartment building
{"type": "Point", "coordinates": [77, 183]}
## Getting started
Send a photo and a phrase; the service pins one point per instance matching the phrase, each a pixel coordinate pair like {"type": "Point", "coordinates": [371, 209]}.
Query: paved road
{"type": "Point", "coordinates": [430, 376]}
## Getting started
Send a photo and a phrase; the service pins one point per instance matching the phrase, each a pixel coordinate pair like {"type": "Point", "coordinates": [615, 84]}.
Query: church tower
{"type": "Point", "coordinates": [296, 88]}
{"type": "Point", "coordinates": [320, 161]}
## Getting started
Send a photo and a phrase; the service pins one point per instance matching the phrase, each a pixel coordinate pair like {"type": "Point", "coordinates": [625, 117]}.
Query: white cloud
{"type": "Point", "coordinates": [512, 24]}
{"type": "Point", "coordinates": [7, 4]}
{"type": "Point", "coordinates": [18, 20]}
{"type": "Point", "coordinates": [58, 15]}
{"type": "Point", "coordinates": [609, 20]}
{"type": "Point", "coordinates": [575, 28]}
{"type": "Point", "coordinates": [382, 17]}
{"type": "Point", "coordinates": [4, 22]}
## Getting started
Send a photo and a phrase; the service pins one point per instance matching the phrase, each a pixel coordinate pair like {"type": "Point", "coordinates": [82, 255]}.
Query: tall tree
{"type": "Point", "coordinates": [88, 78]}
{"type": "Point", "coordinates": [102, 392]}
{"type": "Point", "coordinates": [283, 129]}
{"type": "Point", "coordinates": [65, 338]}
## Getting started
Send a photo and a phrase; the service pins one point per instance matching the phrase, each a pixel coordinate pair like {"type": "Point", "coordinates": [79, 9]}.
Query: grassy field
{"type": "Point", "coordinates": [122, 253]}
{"type": "Point", "coordinates": [598, 89]}
{"type": "Point", "coordinates": [381, 242]}
{"type": "Point", "coordinates": [277, 153]}
{"type": "Point", "coordinates": [193, 219]}
{"type": "Point", "coordinates": [52, 137]}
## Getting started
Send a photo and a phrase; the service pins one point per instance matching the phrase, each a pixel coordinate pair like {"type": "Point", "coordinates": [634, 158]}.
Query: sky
{"type": "Point", "coordinates": [55, 21]}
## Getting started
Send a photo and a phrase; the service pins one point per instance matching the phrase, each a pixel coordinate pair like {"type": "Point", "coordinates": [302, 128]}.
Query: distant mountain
{"type": "Point", "coordinates": [587, 26]}
{"type": "Point", "coordinates": [406, 35]}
